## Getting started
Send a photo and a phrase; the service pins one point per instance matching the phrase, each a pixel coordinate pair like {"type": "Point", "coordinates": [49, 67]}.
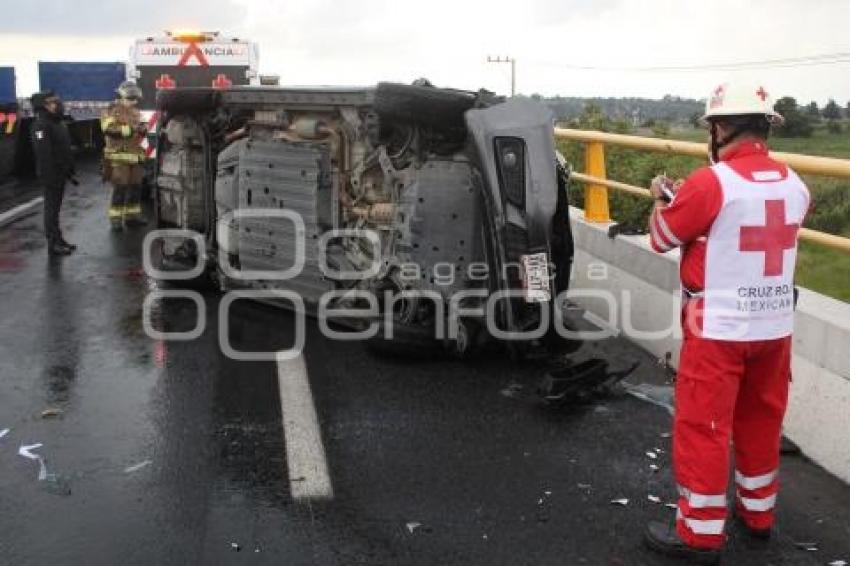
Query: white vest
{"type": "Point", "coordinates": [751, 251]}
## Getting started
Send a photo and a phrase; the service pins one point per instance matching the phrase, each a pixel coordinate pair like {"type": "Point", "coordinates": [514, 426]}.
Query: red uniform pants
{"type": "Point", "coordinates": [728, 391]}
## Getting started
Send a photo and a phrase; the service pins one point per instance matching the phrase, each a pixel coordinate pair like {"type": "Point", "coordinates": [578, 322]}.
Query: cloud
{"type": "Point", "coordinates": [119, 17]}
{"type": "Point", "coordinates": [348, 42]}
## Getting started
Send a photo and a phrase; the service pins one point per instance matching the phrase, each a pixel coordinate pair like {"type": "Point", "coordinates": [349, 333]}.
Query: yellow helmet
{"type": "Point", "coordinates": [741, 99]}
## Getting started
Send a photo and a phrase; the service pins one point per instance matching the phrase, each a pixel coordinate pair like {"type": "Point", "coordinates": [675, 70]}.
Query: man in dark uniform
{"type": "Point", "coordinates": [54, 164]}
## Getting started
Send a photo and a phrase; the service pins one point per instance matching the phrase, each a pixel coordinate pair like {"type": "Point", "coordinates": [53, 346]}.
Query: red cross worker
{"type": "Point", "coordinates": [736, 223]}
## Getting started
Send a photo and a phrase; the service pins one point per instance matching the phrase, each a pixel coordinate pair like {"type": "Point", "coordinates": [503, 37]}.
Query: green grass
{"type": "Point", "coordinates": [824, 270]}
{"type": "Point", "coordinates": [821, 143]}
{"type": "Point", "coordinates": [819, 268]}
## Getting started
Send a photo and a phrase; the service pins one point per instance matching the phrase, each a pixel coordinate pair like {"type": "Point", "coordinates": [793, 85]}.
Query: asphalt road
{"type": "Point", "coordinates": [172, 453]}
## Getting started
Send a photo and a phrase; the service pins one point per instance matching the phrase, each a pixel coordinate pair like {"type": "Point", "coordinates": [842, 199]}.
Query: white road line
{"type": "Point", "coordinates": [305, 453]}
{"type": "Point", "coordinates": [21, 210]}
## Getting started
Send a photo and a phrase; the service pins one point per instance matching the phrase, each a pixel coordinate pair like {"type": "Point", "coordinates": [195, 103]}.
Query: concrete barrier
{"type": "Point", "coordinates": [818, 418]}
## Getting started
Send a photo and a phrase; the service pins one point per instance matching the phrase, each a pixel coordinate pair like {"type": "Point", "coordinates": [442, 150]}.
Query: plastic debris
{"type": "Point", "coordinates": [838, 563]}
{"type": "Point", "coordinates": [622, 502]}
{"type": "Point", "coordinates": [547, 493]}
{"type": "Point", "coordinates": [26, 452]}
{"type": "Point", "coordinates": [235, 547]}
{"type": "Point", "coordinates": [54, 483]}
{"type": "Point", "coordinates": [654, 498]}
{"type": "Point", "coordinates": [584, 486]}
{"type": "Point", "coordinates": [580, 382]}
{"type": "Point", "coordinates": [654, 467]}
{"type": "Point", "coordinates": [671, 506]}
{"type": "Point", "coordinates": [652, 455]}
{"type": "Point", "coordinates": [666, 435]}
{"type": "Point", "coordinates": [50, 413]}
{"type": "Point", "coordinates": [412, 526]}
{"type": "Point", "coordinates": [4, 432]}
{"type": "Point", "coordinates": [137, 467]}
{"type": "Point", "coordinates": [512, 391]}
{"type": "Point", "coordinates": [660, 395]}
{"type": "Point", "coordinates": [808, 546]}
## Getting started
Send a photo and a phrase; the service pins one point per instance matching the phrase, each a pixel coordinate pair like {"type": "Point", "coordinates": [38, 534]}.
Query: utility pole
{"type": "Point", "coordinates": [510, 60]}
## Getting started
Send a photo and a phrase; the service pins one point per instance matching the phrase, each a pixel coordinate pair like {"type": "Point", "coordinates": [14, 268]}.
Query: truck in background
{"type": "Point", "coordinates": [8, 121]}
{"type": "Point", "coordinates": [86, 89]}
{"type": "Point", "coordinates": [188, 59]}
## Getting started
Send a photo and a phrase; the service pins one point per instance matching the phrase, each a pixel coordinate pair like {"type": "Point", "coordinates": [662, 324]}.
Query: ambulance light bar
{"type": "Point", "coordinates": [191, 36]}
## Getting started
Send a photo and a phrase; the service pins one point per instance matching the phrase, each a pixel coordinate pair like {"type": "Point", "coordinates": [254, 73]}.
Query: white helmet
{"type": "Point", "coordinates": [741, 99]}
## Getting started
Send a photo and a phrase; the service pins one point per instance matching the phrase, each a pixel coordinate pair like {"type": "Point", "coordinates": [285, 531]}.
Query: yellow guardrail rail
{"type": "Point", "coordinates": [596, 192]}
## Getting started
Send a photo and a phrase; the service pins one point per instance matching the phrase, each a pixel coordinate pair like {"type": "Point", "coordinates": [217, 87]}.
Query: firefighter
{"type": "Point", "coordinates": [54, 164]}
{"type": "Point", "coordinates": [123, 155]}
{"type": "Point", "coordinates": [736, 222]}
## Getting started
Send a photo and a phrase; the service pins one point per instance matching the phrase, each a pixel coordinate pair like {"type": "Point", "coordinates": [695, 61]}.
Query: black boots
{"type": "Point", "coordinates": [758, 534]}
{"type": "Point", "coordinates": [59, 248]}
{"type": "Point", "coordinates": [663, 538]}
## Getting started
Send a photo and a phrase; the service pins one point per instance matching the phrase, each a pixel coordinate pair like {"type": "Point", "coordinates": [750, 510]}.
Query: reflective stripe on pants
{"type": "Point", "coordinates": [728, 392]}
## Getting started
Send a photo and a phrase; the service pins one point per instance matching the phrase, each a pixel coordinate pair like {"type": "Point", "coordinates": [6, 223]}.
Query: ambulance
{"type": "Point", "coordinates": [188, 59]}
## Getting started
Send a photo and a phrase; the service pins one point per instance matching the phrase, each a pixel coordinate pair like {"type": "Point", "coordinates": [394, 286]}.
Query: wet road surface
{"type": "Point", "coordinates": [172, 453]}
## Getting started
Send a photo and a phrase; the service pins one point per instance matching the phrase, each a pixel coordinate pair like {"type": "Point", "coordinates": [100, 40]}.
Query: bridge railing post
{"type": "Point", "coordinates": [595, 196]}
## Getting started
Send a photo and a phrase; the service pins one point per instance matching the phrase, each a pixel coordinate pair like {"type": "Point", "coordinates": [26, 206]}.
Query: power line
{"type": "Point", "coordinates": [807, 61]}
{"type": "Point", "coordinates": [510, 60]}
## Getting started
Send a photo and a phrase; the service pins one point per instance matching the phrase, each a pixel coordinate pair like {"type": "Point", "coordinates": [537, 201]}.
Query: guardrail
{"type": "Point", "coordinates": [596, 192]}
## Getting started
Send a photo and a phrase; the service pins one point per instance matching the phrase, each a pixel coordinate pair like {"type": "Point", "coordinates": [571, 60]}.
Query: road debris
{"type": "Point", "coordinates": [4, 432]}
{"type": "Point", "coordinates": [654, 467]}
{"type": "Point", "coordinates": [838, 563]}
{"type": "Point", "coordinates": [654, 498]}
{"type": "Point", "coordinates": [512, 391]}
{"type": "Point", "coordinates": [652, 455]}
{"type": "Point", "coordinates": [54, 483]}
{"type": "Point", "coordinates": [660, 395]}
{"type": "Point", "coordinates": [807, 546]}
{"type": "Point", "coordinates": [577, 383]}
{"type": "Point", "coordinates": [26, 452]}
{"type": "Point", "coordinates": [137, 467]}
{"type": "Point", "coordinates": [412, 526]}
{"type": "Point", "coordinates": [51, 412]}
{"type": "Point", "coordinates": [235, 547]}
{"type": "Point", "coordinates": [584, 486]}
{"type": "Point", "coordinates": [671, 505]}
{"type": "Point", "coordinates": [666, 435]}
{"type": "Point", "coordinates": [622, 502]}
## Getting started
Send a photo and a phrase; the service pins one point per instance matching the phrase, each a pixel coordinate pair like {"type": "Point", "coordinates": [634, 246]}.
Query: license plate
{"type": "Point", "coordinates": [536, 278]}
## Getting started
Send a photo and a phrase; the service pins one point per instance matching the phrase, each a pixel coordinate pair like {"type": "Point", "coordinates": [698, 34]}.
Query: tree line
{"type": "Point", "coordinates": [800, 120]}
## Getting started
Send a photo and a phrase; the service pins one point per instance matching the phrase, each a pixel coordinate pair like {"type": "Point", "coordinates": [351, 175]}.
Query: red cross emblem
{"type": "Point", "coordinates": [165, 81]}
{"type": "Point", "coordinates": [761, 93]}
{"type": "Point", "coordinates": [192, 50]}
{"type": "Point", "coordinates": [717, 97]}
{"type": "Point", "coordinates": [221, 81]}
{"type": "Point", "coordinates": [772, 239]}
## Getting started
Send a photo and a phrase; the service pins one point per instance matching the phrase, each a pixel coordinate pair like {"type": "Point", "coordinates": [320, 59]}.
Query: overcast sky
{"type": "Point", "coordinates": [448, 41]}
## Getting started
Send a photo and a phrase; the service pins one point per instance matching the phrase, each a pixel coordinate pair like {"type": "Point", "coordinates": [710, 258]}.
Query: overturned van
{"type": "Point", "coordinates": [426, 214]}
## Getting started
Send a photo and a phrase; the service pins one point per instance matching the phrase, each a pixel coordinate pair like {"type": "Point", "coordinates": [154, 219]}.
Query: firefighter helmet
{"type": "Point", "coordinates": [741, 99]}
{"type": "Point", "coordinates": [129, 90]}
